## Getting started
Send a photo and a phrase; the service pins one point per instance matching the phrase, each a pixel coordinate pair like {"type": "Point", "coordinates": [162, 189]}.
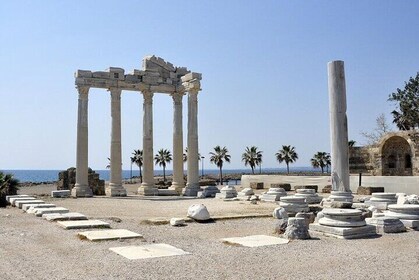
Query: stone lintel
{"type": "Point", "coordinates": [191, 76]}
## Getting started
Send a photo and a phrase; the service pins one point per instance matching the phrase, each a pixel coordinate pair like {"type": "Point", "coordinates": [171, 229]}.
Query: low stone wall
{"type": "Point", "coordinates": [405, 184]}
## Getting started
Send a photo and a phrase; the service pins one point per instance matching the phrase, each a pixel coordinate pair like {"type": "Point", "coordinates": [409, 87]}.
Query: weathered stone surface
{"type": "Point", "coordinates": [280, 213]}
{"type": "Point", "coordinates": [273, 194]}
{"type": "Point", "coordinates": [297, 229]}
{"type": "Point", "coordinates": [369, 190]}
{"type": "Point", "coordinates": [177, 222]}
{"type": "Point", "coordinates": [148, 251]}
{"type": "Point", "coordinates": [310, 195]}
{"type": "Point", "coordinates": [309, 217]}
{"type": "Point", "coordinates": [209, 191]}
{"type": "Point", "coordinates": [83, 224]}
{"type": "Point", "coordinates": [54, 210]}
{"type": "Point", "coordinates": [341, 196]}
{"type": "Point", "coordinates": [312, 187]}
{"type": "Point", "coordinates": [386, 224]}
{"type": "Point", "coordinates": [109, 234]}
{"type": "Point", "coordinates": [286, 187]}
{"type": "Point", "coordinates": [413, 199]}
{"type": "Point", "coordinates": [256, 185]}
{"type": "Point", "coordinates": [61, 193]}
{"type": "Point", "coordinates": [227, 192]}
{"type": "Point", "coordinates": [280, 226]}
{"type": "Point", "coordinates": [327, 189]}
{"type": "Point", "coordinates": [342, 218]}
{"type": "Point", "coordinates": [405, 211]}
{"type": "Point", "coordinates": [343, 232]}
{"type": "Point", "coordinates": [8, 197]}
{"type": "Point", "coordinates": [198, 212]}
{"type": "Point", "coordinates": [255, 240]}
{"type": "Point", "coordinates": [34, 207]}
{"type": "Point", "coordinates": [293, 204]}
{"type": "Point", "coordinates": [245, 194]}
{"type": "Point", "coordinates": [20, 203]}
{"type": "Point", "coordinates": [71, 216]}
{"type": "Point", "coordinates": [412, 224]}
{"type": "Point", "coordinates": [67, 180]}
{"type": "Point", "coordinates": [13, 200]}
{"type": "Point", "coordinates": [382, 200]}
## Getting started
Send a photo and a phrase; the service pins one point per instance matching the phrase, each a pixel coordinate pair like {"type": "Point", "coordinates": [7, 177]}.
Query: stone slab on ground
{"type": "Point", "coordinates": [54, 210]}
{"type": "Point", "coordinates": [20, 203]}
{"type": "Point", "coordinates": [27, 207]}
{"type": "Point", "coordinates": [71, 216]}
{"type": "Point", "coordinates": [61, 193]}
{"type": "Point", "coordinates": [412, 224]}
{"type": "Point", "coordinates": [83, 224]}
{"type": "Point", "coordinates": [110, 234]}
{"type": "Point", "coordinates": [8, 197]}
{"type": "Point", "coordinates": [386, 224]}
{"type": "Point", "coordinates": [255, 240]}
{"type": "Point", "coordinates": [148, 251]}
{"type": "Point", "coordinates": [13, 200]}
{"type": "Point", "coordinates": [343, 232]}
{"type": "Point", "coordinates": [167, 192]}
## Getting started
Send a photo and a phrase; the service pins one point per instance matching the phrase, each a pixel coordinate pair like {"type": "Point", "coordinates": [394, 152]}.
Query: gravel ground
{"type": "Point", "coordinates": [32, 248]}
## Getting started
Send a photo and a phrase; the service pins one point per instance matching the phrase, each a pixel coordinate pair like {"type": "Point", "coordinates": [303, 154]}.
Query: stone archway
{"type": "Point", "coordinates": [396, 157]}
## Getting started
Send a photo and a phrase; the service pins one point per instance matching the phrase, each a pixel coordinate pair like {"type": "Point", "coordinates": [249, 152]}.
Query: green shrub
{"type": "Point", "coordinates": [8, 186]}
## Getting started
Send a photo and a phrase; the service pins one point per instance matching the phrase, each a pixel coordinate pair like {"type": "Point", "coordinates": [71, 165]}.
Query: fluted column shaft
{"type": "Point", "coordinates": [147, 187]}
{"type": "Point", "coordinates": [178, 182]}
{"type": "Point", "coordinates": [81, 187]}
{"type": "Point", "coordinates": [193, 165]}
{"type": "Point", "coordinates": [115, 183]}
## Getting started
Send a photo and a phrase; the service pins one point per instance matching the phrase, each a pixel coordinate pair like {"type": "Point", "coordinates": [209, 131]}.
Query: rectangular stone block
{"type": "Point", "coordinates": [100, 75]}
{"type": "Point", "coordinates": [369, 190]}
{"type": "Point", "coordinates": [413, 224]}
{"type": "Point", "coordinates": [111, 234]}
{"type": "Point", "coordinates": [8, 197]}
{"type": "Point", "coordinates": [54, 210]}
{"type": "Point", "coordinates": [148, 251]}
{"type": "Point", "coordinates": [343, 232]}
{"type": "Point", "coordinates": [83, 74]}
{"type": "Point", "coordinates": [255, 240]}
{"type": "Point", "coordinates": [83, 224]}
{"type": "Point", "coordinates": [20, 203]}
{"type": "Point", "coordinates": [312, 187]}
{"type": "Point", "coordinates": [71, 216]}
{"type": "Point", "coordinates": [286, 187]}
{"type": "Point", "coordinates": [33, 207]}
{"type": "Point", "coordinates": [14, 199]}
{"type": "Point", "coordinates": [191, 76]}
{"type": "Point", "coordinates": [256, 185]}
{"type": "Point", "coordinates": [61, 193]}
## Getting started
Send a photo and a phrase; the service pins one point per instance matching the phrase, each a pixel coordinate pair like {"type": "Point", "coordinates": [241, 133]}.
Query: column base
{"type": "Point", "coordinates": [148, 190]}
{"type": "Point", "coordinates": [81, 191]}
{"type": "Point", "coordinates": [176, 187]}
{"type": "Point", "coordinates": [191, 191]}
{"type": "Point", "coordinates": [115, 190]}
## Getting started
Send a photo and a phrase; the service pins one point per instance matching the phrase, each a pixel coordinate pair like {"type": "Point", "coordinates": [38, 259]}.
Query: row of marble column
{"type": "Point", "coordinates": [115, 187]}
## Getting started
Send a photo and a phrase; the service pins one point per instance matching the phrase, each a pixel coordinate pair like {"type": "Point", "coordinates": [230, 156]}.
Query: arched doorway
{"type": "Point", "coordinates": [396, 157]}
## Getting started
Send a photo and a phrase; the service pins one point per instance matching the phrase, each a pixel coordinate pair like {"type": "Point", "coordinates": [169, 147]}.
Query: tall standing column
{"type": "Point", "coordinates": [81, 188]}
{"type": "Point", "coordinates": [115, 187]}
{"type": "Point", "coordinates": [192, 185]}
{"type": "Point", "coordinates": [147, 187]}
{"type": "Point", "coordinates": [338, 132]}
{"type": "Point", "coordinates": [178, 181]}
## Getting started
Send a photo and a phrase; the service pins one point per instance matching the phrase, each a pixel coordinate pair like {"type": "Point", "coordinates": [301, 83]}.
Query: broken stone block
{"type": "Point", "coordinates": [280, 213]}
{"type": "Point", "coordinates": [198, 212]}
{"type": "Point", "coordinates": [177, 222]}
{"type": "Point", "coordinates": [256, 185]}
{"type": "Point", "coordinates": [297, 229]}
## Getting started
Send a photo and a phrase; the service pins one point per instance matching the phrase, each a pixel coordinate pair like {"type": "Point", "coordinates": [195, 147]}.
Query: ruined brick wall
{"type": "Point", "coordinates": [67, 180]}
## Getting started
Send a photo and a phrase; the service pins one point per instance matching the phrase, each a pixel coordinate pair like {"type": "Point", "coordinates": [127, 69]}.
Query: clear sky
{"type": "Point", "coordinates": [264, 67]}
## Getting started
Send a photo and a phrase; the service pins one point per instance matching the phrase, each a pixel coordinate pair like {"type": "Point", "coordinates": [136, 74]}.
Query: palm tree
{"type": "Point", "coordinates": [185, 155]}
{"type": "Point", "coordinates": [320, 160]}
{"type": "Point", "coordinates": [137, 158]}
{"type": "Point", "coordinates": [351, 143]}
{"type": "Point", "coordinates": [162, 158]}
{"type": "Point", "coordinates": [288, 155]}
{"type": "Point", "coordinates": [218, 157]}
{"type": "Point", "coordinates": [8, 186]}
{"type": "Point", "coordinates": [252, 157]}
{"type": "Point", "coordinates": [328, 162]}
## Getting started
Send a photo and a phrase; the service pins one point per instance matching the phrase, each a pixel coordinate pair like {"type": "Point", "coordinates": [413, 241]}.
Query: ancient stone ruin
{"type": "Point", "coordinates": [67, 180]}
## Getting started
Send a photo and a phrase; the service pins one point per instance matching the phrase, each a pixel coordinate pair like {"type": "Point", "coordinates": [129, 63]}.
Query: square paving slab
{"type": "Point", "coordinates": [83, 224]}
{"type": "Point", "coordinates": [255, 240]}
{"type": "Point", "coordinates": [110, 234]}
{"type": "Point", "coordinates": [20, 203]}
{"type": "Point", "coordinates": [8, 197]}
{"type": "Point", "coordinates": [13, 200]}
{"type": "Point", "coordinates": [148, 251]}
{"type": "Point", "coordinates": [54, 210]}
{"type": "Point", "coordinates": [71, 216]}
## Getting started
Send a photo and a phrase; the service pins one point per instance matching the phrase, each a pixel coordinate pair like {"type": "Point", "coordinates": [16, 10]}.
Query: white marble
{"type": "Point", "coordinates": [293, 204]}
{"type": "Point", "coordinates": [198, 212]}
{"type": "Point", "coordinates": [255, 241]}
{"type": "Point", "coordinates": [61, 193]}
{"type": "Point", "coordinates": [227, 192]}
{"type": "Point", "coordinates": [273, 194]}
{"type": "Point", "coordinates": [70, 216]}
{"type": "Point", "coordinates": [34, 207]}
{"type": "Point", "coordinates": [176, 222]}
{"type": "Point", "coordinates": [386, 224]}
{"type": "Point", "coordinates": [178, 181]}
{"type": "Point", "coordinates": [13, 200]}
{"type": "Point", "coordinates": [83, 224]}
{"type": "Point", "coordinates": [54, 210]}
{"type": "Point", "coordinates": [21, 203]}
{"type": "Point", "coordinates": [109, 234]}
{"type": "Point", "coordinates": [8, 197]}
{"type": "Point", "coordinates": [280, 213]}
{"type": "Point", "coordinates": [310, 195]}
{"type": "Point", "coordinates": [148, 251]}
{"type": "Point", "coordinates": [297, 229]}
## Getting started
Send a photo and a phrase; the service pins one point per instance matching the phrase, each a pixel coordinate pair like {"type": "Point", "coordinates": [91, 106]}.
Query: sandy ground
{"type": "Point", "coordinates": [32, 248]}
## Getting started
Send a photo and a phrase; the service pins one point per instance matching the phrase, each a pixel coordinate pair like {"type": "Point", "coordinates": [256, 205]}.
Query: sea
{"type": "Point", "coordinates": [39, 176]}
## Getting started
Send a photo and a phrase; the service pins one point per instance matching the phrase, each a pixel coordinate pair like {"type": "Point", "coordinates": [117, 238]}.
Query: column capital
{"type": "Point", "coordinates": [148, 96]}
{"type": "Point", "coordinates": [177, 97]}
{"type": "Point", "coordinates": [83, 90]}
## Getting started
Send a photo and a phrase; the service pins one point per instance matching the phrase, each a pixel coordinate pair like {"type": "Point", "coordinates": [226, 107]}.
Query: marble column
{"type": "Point", "coordinates": [81, 188]}
{"type": "Point", "coordinates": [192, 185]}
{"type": "Point", "coordinates": [178, 181]}
{"type": "Point", "coordinates": [147, 187]}
{"type": "Point", "coordinates": [115, 187]}
{"type": "Point", "coordinates": [338, 130]}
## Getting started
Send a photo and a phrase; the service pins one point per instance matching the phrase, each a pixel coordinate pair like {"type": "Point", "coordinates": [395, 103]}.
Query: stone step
{"type": "Point", "coordinates": [61, 193]}
{"type": "Point", "coordinates": [111, 234]}
{"type": "Point", "coordinates": [20, 203]}
{"type": "Point", "coordinates": [83, 224]}
{"type": "Point", "coordinates": [54, 210]}
{"type": "Point", "coordinates": [8, 197]}
{"type": "Point", "coordinates": [33, 207]}
{"type": "Point", "coordinates": [71, 216]}
{"type": "Point", "coordinates": [13, 200]}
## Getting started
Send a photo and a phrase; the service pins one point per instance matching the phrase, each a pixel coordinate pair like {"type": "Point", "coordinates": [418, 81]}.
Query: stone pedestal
{"type": "Point", "coordinates": [382, 200]}
{"type": "Point", "coordinates": [209, 191]}
{"type": "Point", "coordinates": [227, 192]}
{"type": "Point", "coordinates": [294, 204]}
{"type": "Point", "coordinates": [407, 213]}
{"type": "Point", "coordinates": [342, 223]}
{"type": "Point", "coordinates": [245, 194]}
{"type": "Point", "coordinates": [386, 224]}
{"type": "Point", "coordinates": [341, 196]}
{"type": "Point", "coordinates": [273, 194]}
{"type": "Point", "coordinates": [310, 195]}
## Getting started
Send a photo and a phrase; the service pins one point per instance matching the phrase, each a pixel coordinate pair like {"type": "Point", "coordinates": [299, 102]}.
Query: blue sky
{"type": "Point", "coordinates": [264, 67]}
